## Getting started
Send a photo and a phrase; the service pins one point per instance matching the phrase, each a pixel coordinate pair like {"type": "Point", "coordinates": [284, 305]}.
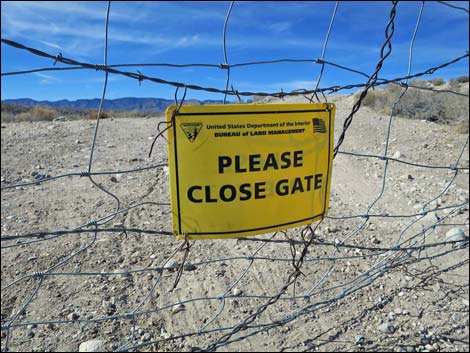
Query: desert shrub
{"type": "Point", "coordinates": [11, 113]}
{"type": "Point", "coordinates": [25, 116]}
{"type": "Point", "coordinates": [431, 106]}
{"type": "Point", "coordinates": [39, 113]}
{"type": "Point", "coordinates": [462, 79]}
{"type": "Point", "coordinates": [461, 127]}
{"type": "Point", "coordinates": [438, 81]}
{"type": "Point", "coordinates": [419, 104]}
{"type": "Point", "coordinates": [93, 115]}
{"type": "Point", "coordinates": [7, 117]}
{"type": "Point", "coordinates": [370, 100]}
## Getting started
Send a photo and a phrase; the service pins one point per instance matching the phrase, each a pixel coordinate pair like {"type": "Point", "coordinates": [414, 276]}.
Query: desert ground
{"type": "Point", "coordinates": [357, 290]}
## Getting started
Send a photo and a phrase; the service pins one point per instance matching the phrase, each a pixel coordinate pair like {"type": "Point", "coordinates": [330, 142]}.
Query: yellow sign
{"type": "Point", "coordinates": [238, 170]}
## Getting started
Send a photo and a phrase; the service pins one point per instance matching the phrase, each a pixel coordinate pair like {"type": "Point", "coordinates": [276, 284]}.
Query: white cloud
{"type": "Point", "coordinates": [46, 79]}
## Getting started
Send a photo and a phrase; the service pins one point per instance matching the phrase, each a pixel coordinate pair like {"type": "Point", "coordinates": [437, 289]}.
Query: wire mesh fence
{"type": "Point", "coordinates": [120, 276]}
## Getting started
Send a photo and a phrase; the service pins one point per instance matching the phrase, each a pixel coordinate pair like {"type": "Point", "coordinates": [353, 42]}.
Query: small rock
{"type": "Point", "coordinates": [30, 334]}
{"type": "Point", "coordinates": [359, 339]}
{"type": "Point", "coordinates": [391, 316]}
{"type": "Point", "coordinates": [387, 327]}
{"type": "Point", "coordinates": [429, 348]}
{"type": "Point", "coordinates": [236, 292]}
{"type": "Point", "coordinates": [397, 155]}
{"type": "Point", "coordinates": [375, 240]}
{"type": "Point", "coordinates": [73, 316]}
{"type": "Point", "coordinates": [114, 179]}
{"type": "Point", "coordinates": [92, 346]}
{"type": "Point", "coordinates": [456, 234]}
{"type": "Point", "coordinates": [146, 337]}
{"type": "Point", "coordinates": [171, 264]}
{"type": "Point", "coordinates": [177, 308]}
{"type": "Point", "coordinates": [188, 266]}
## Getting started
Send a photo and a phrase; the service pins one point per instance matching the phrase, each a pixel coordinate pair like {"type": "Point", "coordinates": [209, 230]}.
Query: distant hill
{"type": "Point", "coordinates": [129, 103]}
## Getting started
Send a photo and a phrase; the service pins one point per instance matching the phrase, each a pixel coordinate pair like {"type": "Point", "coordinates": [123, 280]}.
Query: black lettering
{"type": "Point", "coordinates": [191, 194]}
{"type": "Point", "coordinates": [208, 194]}
{"type": "Point", "coordinates": [245, 190]}
{"type": "Point", "coordinates": [270, 162]}
{"type": "Point", "coordinates": [255, 163]}
{"type": "Point", "coordinates": [309, 178]}
{"type": "Point", "coordinates": [297, 186]}
{"type": "Point", "coordinates": [231, 197]}
{"type": "Point", "coordinates": [238, 169]}
{"type": "Point", "coordinates": [298, 156]}
{"type": "Point", "coordinates": [317, 183]}
{"type": "Point", "coordinates": [224, 162]}
{"type": "Point", "coordinates": [282, 187]}
{"type": "Point", "coordinates": [259, 190]}
{"type": "Point", "coordinates": [285, 158]}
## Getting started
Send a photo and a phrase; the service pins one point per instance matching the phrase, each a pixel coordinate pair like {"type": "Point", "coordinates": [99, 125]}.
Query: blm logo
{"type": "Point", "coordinates": [319, 125]}
{"type": "Point", "coordinates": [191, 130]}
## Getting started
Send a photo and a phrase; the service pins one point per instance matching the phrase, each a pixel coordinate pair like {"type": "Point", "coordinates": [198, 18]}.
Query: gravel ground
{"type": "Point", "coordinates": [416, 301]}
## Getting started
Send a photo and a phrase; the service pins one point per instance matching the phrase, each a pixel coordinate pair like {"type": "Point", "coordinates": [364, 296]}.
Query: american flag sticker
{"type": "Point", "coordinates": [319, 126]}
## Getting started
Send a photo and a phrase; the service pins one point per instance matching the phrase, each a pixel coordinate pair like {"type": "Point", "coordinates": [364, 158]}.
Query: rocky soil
{"type": "Point", "coordinates": [113, 290]}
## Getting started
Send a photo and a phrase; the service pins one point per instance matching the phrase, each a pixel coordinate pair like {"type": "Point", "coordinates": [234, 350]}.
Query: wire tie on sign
{"type": "Point", "coordinates": [366, 216]}
{"type": "Point", "coordinates": [221, 298]}
{"type": "Point", "coordinates": [57, 58]}
{"type": "Point", "coordinates": [140, 78]}
{"type": "Point", "coordinates": [84, 174]}
{"type": "Point", "coordinates": [404, 84]}
{"type": "Point", "coordinates": [281, 94]}
{"type": "Point", "coordinates": [250, 258]}
{"type": "Point", "coordinates": [319, 61]}
{"type": "Point", "coordinates": [5, 327]}
{"type": "Point", "coordinates": [224, 66]}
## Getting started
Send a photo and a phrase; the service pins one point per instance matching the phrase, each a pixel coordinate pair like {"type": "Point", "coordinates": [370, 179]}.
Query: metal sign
{"type": "Point", "coordinates": [238, 170]}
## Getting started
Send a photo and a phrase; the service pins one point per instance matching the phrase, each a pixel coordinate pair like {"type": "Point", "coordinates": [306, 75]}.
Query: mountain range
{"type": "Point", "coordinates": [128, 103]}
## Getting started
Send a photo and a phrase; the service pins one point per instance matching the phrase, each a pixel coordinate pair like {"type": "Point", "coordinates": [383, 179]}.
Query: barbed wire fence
{"type": "Point", "coordinates": [313, 294]}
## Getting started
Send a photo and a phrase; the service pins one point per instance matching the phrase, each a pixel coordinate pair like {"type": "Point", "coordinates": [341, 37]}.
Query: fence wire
{"type": "Point", "coordinates": [314, 267]}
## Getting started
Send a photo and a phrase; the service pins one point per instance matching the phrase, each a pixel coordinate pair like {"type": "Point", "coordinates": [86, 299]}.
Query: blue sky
{"type": "Point", "coordinates": [191, 32]}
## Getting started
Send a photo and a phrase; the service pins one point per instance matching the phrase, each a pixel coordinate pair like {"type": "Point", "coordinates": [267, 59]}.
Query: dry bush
{"type": "Point", "coordinates": [39, 113]}
{"type": "Point", "coordinates": [93, 115]}
{"type": "Point", "coordinates": [438, 81]}
{"type": "Point", "coordinates": [461, 127]}
{"type": "Point", "coordinates": [419, 104]}
{"type": "Point", "coordinates": [462, 79]}
{"type": "Point", "coordinates": [12, 113]}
